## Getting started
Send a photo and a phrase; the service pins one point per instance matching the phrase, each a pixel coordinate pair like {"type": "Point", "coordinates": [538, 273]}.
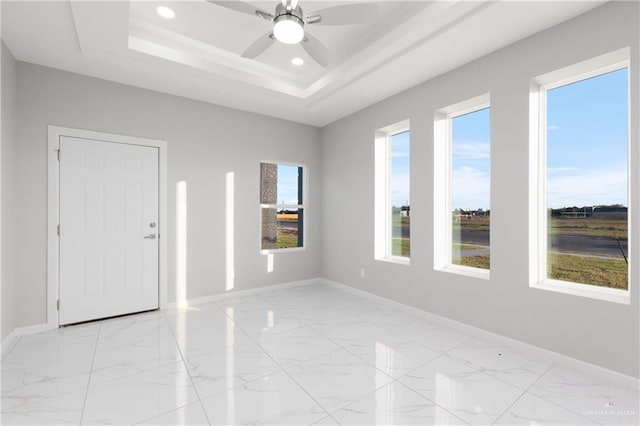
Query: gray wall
{"type": "Point", "coordinates": [9, 142]}
{"type": "Point", "coordinates": [204, 142]}
{"type": "Point", "coordinates": [599, 332]}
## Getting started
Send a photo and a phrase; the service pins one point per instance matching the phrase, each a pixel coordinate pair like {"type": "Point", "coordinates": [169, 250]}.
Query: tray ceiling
{"type": "Point", "coordinates": [197, 53]}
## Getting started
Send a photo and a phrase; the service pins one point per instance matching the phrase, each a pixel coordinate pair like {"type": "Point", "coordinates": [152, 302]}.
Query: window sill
{"type": "Point", "coordinates": [483, 274]}
{"type": "Point", "coordinates": [396, 259]}
{"type": "Point", "coordinates": [585, 290]}
{"type": "Point", "coordinates": [282, 250]}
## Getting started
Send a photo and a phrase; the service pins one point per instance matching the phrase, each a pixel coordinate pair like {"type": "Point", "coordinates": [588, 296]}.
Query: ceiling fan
{"type": "Point", "coordinates": [289, 21]}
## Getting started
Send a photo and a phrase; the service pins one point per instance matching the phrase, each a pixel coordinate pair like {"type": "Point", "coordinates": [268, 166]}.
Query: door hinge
{"type": "Point", "coordinates": [58, 154]}
{"type": "Point", "coordinates": [58, 230]}
{"type": "Point", "coordinates": [58, 304]}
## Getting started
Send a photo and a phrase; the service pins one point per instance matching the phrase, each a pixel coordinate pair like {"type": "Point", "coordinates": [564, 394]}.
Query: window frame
{"type": "Point", "coordinates": [303, 206]}
{"type": "Point", "coordinates": [383, 231]}
{"type": "Point", "coordinates": [443, 178]}
{"type": "Point", "coordinates": [590, 68]}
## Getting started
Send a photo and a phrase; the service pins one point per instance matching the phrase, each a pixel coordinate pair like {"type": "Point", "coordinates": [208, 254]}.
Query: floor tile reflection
{"type": "Point", "coordinates": [313, 354]}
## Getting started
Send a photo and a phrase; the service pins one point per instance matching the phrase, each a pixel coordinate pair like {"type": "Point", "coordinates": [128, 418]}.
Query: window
{"type": "Point", "coordinates": [583, 125]}
{"type": "Point", "coordinates": [462, 134]}
{"type": "Point", "coordinates": [282, 207]}
{"type": "Point", "coordinates": [392, 192]}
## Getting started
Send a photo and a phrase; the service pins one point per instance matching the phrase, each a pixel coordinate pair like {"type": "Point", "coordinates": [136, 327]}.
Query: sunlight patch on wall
{"type": "Point", "coordinates": [181, 243]}
{"type": "Point", "coordinates": [229, 228]}
{"type": "Point", "coordinates": [231, 366]}
{"type": "Point", "coordinates": [270, 262]}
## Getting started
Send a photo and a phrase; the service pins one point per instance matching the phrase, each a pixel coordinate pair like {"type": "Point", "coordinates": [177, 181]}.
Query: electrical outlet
{"type": "Point", "coordinates": [362, 273]}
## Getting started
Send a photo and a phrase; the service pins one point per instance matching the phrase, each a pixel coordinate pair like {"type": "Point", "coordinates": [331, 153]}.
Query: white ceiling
{"type": "Point", "coordinates": [197, 54]}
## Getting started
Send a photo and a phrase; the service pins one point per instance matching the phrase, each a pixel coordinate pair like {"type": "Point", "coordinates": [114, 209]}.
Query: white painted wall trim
{"type": "Point", "coordinates": [10, 341]}
{"type": "Point", "coordinates": [244, 293]}
{"type": "Point", "coordinates": [53, 209]}
{"type": "Point", "coordinates": [526, 348]}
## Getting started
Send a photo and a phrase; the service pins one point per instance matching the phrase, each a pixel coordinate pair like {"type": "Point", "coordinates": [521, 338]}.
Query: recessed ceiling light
{"type": "Point", "coordinates": [297, 61]}
{"type": "Point", "coordinates": [165, 12]}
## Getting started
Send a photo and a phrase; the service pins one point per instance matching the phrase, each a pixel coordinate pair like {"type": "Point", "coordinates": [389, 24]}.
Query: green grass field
{"type": "Point", "coordinates": [481, 261]}
{"type": "Point", "coordinates": [400, 247]}
{"type": "Point", "coordinates": [601, 271]}
{"type": "Point", "coordinates": [589, 227]}
{"type": "Point", "coordinates": [287, 238]}
{"type": "Point", "coordinates": [604, 272]}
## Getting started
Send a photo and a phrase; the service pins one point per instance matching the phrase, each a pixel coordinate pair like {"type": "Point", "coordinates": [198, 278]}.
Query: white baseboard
{"type": "Point", "coordinates": [10, 341]}
{"type": "Point", "coordinates": [244, 293]}
{"type": "Point", "coordinates": [527, 348]}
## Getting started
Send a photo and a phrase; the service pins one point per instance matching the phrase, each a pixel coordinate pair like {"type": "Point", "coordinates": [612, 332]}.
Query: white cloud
{"type": "Point", "coordinates": [587, 189]}
{"type": "Point", "coordinates": [400, 188]}
{"type": "Point", "coordinates": [287, 192]}
{"type": "Point", "coordinates": [400, 155]}
{"type": "Point", "coordinates": [471, 150]}
{"type": "Point", "coordinates": [471, 188]}
{"type": "Point", "coordinates": [560, 169]}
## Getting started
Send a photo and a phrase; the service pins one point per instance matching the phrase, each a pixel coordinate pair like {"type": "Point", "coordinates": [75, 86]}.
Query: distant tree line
{"type": "Point", "coordinates": [588, 211]}
{"type": "Point", "coordinates": [469, 213]}
{"type": "Point", "coordinates": [406, 209]}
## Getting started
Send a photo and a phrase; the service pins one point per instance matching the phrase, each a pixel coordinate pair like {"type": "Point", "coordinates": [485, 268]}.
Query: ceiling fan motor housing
{"type": "Point", "coordinates": [288, 24]}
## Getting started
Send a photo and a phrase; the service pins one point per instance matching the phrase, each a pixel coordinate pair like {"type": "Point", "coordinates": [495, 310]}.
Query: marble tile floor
{"type": "Point", "coordinates": [316, 354]}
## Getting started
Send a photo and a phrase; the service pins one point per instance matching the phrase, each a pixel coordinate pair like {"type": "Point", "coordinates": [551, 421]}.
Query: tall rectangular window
{"type": "Point", "coordinates": [462, 180]}
{"type": "Point", "coordinates": [584, 186]}
{"type": "Point", "coordinates": [282, 206]}
{"type": "Point", "coordinates": [470, 189]}
{"type": "Point", "coordinates": [400, 207]}
{"type": "Point", "coordinates": [392, 193]}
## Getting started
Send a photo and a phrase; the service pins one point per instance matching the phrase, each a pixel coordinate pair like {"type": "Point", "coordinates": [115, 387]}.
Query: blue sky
{"type": "Point", "coordinates": [287, 184]}
{"type": "Point", "coordinates": [400, 169]}
{"type": "Point", "coordinates": [586, 147]}
{"type": "Point", "coordinates": [586, 150]}
{"type": "Point", "coordinates": [587, 142]}
{"type": "Point", "coordinates": [470, 135]}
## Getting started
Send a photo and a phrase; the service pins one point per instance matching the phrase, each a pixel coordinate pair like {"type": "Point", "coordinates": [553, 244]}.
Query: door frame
{"type": "Point", "coordinates": [53, 209]}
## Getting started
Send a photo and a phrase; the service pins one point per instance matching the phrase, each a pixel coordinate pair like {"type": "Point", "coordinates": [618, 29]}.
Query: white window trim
{"type": "Point", "coordinates": [382, 202]}
{"type": "Point", "coordinates": [538, 231]}
{"type": "Point", "coordinates": [305, 197]}
{"type": "Point", "coordinates": [443, 175]}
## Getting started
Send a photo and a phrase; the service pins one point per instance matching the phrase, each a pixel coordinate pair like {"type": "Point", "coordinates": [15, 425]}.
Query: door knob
{"type": "Point", "coordinates": [151, 237]}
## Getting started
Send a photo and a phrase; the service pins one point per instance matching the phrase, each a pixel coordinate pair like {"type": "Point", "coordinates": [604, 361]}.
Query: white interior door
{"type": "Point", "coordinates": [108, 229]}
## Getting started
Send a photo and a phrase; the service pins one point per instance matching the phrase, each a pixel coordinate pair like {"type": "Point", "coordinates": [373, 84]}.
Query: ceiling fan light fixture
{"type": "Point", "coordinates": [288, 29]}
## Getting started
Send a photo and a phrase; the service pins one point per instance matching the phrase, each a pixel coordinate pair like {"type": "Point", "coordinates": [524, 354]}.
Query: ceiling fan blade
{"type": "Point", "coordinates": [316, 50]}
{"type": "Point", "coordinates": [259, 46]}
{"type": "Point", "coordinates": [243, 7]}
{"type": "Point", "coordinates": [358, 13]}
